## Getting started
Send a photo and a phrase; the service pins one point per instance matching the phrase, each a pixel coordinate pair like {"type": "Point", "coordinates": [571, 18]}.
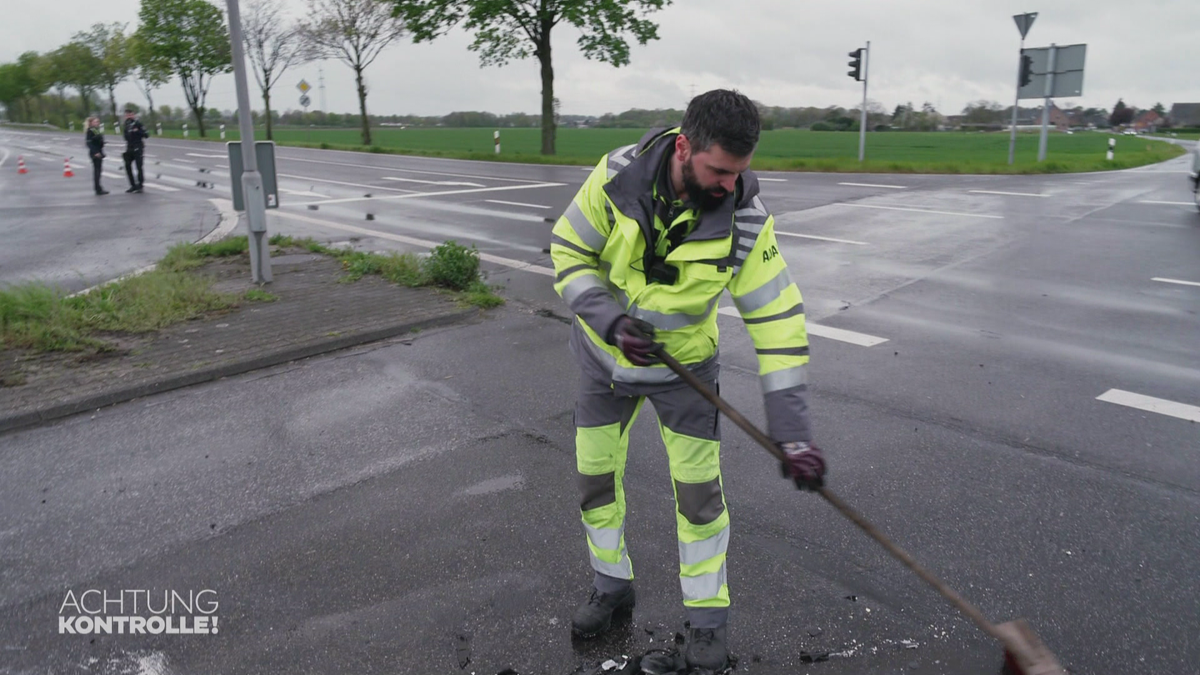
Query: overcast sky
{"type": "Point", "coordinates": [779, 52]}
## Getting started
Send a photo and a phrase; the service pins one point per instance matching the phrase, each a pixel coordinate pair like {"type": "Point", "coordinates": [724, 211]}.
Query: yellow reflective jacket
{"type": "Point", "coordinates": [601, 259]}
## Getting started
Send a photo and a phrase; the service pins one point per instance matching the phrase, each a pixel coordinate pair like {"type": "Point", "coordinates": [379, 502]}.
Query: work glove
{"type": "Point", "coordinates": [635, 339]}
{"type": "Point", "coordinates": [805, 465]}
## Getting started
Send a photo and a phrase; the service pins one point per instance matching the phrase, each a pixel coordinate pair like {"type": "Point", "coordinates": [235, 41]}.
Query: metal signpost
{"type": "Point", "coordinates": [861, 59]}
{"type": "Point", "coordinates": [264, 152]}
{"type": "Point", "coordinates": [1053, 72]}
{"type": "Point", "coordinates": [1024, 23]}
{"type": "Point", "coordinates": [251, 183]}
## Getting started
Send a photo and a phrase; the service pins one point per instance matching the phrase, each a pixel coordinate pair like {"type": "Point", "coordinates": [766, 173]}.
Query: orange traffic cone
{"type": "Point", "coordinates": [67, 173]}
{"type": "Point", "coordinates": [21, 165]}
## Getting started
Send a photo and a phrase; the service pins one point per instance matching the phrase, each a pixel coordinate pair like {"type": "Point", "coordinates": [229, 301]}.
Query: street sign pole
{"type": "Point", "coordinates": [1046, 104]}
{"type": "Point", "coordinates": [862, 125]}
{"type": "Point", "coordinates": [1024, 22]}
{"type": "Point", "coordinates": [252, 184]}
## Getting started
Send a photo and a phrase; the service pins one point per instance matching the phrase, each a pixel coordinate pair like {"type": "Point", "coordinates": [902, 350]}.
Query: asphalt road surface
{"type": "Point", "coordinates": [1005, 374]}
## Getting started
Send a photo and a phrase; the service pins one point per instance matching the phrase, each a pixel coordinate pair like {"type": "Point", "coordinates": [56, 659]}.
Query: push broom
{"type": "Point", "coordinates": [1024, 652]}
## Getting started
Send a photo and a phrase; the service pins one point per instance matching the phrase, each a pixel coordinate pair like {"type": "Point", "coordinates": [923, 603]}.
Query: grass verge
{"type": "Point", "coordinates": [40, 318]}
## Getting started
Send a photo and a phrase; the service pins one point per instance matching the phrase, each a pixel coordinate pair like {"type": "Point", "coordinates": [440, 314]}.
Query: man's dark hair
{"type": "Point", "coordinates": [129, 111]}
{"type": "Point", "coordinates": [724, 117]}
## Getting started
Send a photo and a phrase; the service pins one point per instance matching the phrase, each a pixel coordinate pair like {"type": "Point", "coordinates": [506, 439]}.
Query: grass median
{"type": "Point", "coordinates": [946, 152]}
{"type": "Point", "coordinates": [41, 318]}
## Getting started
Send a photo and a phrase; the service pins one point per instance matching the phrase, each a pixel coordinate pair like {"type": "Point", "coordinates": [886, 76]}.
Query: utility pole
{"type": "Point", "coordinates": [859, 64]}
{"type": "Point", "coordinates": [321, 84]}
{"type": "Point", "coordinates": [1024, 22]}
{"type": "Point", "coordinates": [252, 183]}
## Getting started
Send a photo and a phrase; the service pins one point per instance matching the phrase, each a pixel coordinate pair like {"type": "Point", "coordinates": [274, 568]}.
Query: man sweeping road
{"type": "Point", "coordinates": [657, 232]}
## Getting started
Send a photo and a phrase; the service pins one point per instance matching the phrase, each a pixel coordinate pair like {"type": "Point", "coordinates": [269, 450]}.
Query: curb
{"type": "Point", "coordinates": [181, 380]}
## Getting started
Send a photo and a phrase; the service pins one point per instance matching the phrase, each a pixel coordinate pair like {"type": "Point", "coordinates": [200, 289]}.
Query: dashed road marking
{"type": "Point", "coordinates": [899, 208]}
{"type": "Point", "coordinates": [827, 332]}
{"type": "Point", "coordinates": [1009, 194]}
{"type": "Point", "coordinates": [773, 180]}
{"type": "Point", "coordinates": [532, 206]}
{"type": "Point", "coordinates": [1150, 404]}
{"type": "Point", "coordinates": [1151, 201]}
{"type": "Point", "coordinates": [1176, 281]}
{"type": "Point", "coordinates": [813, 236]}
{"type": "Point", "coordinates": [441, 193]}
{"type": "Point", "coordinates": [876, 185]}
{"type": "Point", "coordinates": [153, 186]}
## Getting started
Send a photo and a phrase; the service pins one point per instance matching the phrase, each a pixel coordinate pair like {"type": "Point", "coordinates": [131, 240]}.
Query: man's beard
{"type": "Point", "coordinates": [706, 200]}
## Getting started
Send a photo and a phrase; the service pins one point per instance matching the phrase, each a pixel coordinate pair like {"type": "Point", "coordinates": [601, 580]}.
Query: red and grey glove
{"type": "Point", "coordinates": [805, 465]}
{"type": "Point", "coordinates": [635, 339]}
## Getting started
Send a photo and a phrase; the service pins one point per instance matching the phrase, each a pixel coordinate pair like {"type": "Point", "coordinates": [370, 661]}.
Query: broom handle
{"type": "Point", "coordinates": [957, 600]}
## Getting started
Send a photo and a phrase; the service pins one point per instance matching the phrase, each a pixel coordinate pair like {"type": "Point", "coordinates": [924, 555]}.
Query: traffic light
{"type": "Point", "coordinates": [1026, 68]}
{"type": "Point", "coordinates": [856, 64]}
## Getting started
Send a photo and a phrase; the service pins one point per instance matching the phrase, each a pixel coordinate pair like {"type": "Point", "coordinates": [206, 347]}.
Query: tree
{"type": "Point", "coordinates": [111, 49]}
{"type": "Point", "coordinates": [81, 69]}
{"type": "Point", "coordinates": [518, 29]}
{"type": "Point", "coordinates": [150, 73]}
{"type": "Point", "coordinates": [187, 38]}
{"type": "Point", "coordinates": [983, 112]}
{"type": "Point", "coordinates": [1160, 109]}
{"type": "Point", "coordinates": [271, 47]}
{"type": "Point", "coordinates": [353, 32]}
{"type": "Point", "coordinates": [1121, 114]}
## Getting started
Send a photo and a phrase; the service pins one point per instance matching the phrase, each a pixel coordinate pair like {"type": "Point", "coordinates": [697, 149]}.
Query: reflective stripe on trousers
{"type": "Point", "coordinates": [690, 429]}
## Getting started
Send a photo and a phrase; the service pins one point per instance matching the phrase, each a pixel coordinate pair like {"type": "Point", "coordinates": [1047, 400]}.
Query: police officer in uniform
{"type": "Point", "coordinates": [135, 135]}
{"type": "Point", "coordinates": [95, 144]}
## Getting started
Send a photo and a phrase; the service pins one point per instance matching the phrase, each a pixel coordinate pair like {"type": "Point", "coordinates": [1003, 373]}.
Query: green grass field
{"type": "Point", "coordinates": [788, 150]}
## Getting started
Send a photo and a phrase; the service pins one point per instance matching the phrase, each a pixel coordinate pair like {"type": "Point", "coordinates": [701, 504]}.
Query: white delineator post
{"type": "Point", "coordinates": [222, 132]}
{"type": "Point", "coordinates": [496, 139]}
{"type": "Point", "coordinates": [185, 129]}
{"type": "Point", "coordinates": [159, 125]}
{"type": "Point", "coordinates": [1112, 146]}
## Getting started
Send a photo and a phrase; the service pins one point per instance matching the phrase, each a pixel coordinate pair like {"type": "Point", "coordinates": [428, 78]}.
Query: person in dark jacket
{"type": "Point", "coordinates": [95, 144]}
{"type": "Point", "coordinates": [135, 135]}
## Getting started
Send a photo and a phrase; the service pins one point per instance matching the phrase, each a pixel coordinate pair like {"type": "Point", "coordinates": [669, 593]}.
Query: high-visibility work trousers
{"type": "Point", "coordinates": [690, 428]}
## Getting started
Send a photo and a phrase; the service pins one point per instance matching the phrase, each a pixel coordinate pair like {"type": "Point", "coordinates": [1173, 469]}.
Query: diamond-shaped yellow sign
{"type": "Point", "coordinates": [304, 87]}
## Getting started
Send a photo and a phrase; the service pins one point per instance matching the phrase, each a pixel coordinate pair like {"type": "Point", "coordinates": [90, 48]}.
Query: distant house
{"type": "Point", "coordinates": [1185, 115]}
{"type": "Point", "coordinates": [1032, 118]}
{"type": "Point", "coordinates": [1147, 120]}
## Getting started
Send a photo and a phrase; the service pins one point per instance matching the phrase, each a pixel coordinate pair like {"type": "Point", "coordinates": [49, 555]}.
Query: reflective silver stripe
{"type": "Point", "coordinates": [783, 351]}
{"type": "Point", "coordinates": [649, 375]}
{"type": "Point", "coordinates": [572, 270]}
{"type": "Point", "coordinates": [621, 570]}
{"type": "Point", "coordinates": [611, 172]}
{"type": "Point", "coordinates": [786, 314]}
{"type": "Point", "coordinates": [784, 379]}
{"type": "Point", "coordinates": [756, 212]}
{"type": "Point", "coordinates": [577, 286]}
{"type": "Point", "coordinates": [556, 240]}
{"type": "Point", "coordinates": [604, 537]}
{"type": "Point", "coordinates": [672, 321]}
{"type": "Point", "coordinates": [705, 549]}
{"type": "Point", "coordinates": [583, 227]}
{"type": "Point", "coordinates": [620, 156]}
{"type": "Point", "coordinates": [765, 294]}
{"type": "Point", "coordinates": [703, 587]}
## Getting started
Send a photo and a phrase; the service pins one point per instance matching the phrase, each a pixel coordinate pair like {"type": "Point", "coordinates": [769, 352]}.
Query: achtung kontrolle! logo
{"type": "Point", "coordinates": [139, 612]}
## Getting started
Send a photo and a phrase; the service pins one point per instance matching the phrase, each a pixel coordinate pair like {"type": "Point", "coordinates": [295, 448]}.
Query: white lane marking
{"type": "Point", "coordinates": [198, 154]}
{"type": "Point", "coordinates": [1151, 201]}
{"type": "Point", "coordinates": [338, 182]}
{"type": "Point", "coordinates": [5, 158]}
{"type": "Point", "coordinates": [773, 180]}
{"type": "Point", "coordinates": [415, 195]}
{"type": "Point", "coordinates": [501, 201]}
{"type": "Point", "coordinates": [432, 182]}
{"type": "Point", "coordinates": [422, 171]}
{"type": "Point", "coordinates": [839, 334]}
{"type": "Point", "coordinates": [424, 243]}
{"type": "Point", "coordinates": [229, 221]}
{"type": "Point", "coordinates": [876, 185]}
{"type": "Point", "coordinates": [155, 186]}
{"type": "Point", "coordinates": [813, 236]}
{"type": "Point", "coordinates": [1009, 194]}
{"type": "Point", "coordinates": [1176, 281]}
{"type": "Point", "coordinates": [898, 208]}
{"type": "Point", "coordinates": [186, 161]}
{"type": "Point", "coordinates": [301, 193]}
{"type": "Point", "coordinates": [1150, 404]}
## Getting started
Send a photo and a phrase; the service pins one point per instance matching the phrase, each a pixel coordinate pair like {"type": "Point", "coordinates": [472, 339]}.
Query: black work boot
{"type": "Point", "coordinates": [706, 648]}
{"type": "Point", "coordinates": [595, 616]}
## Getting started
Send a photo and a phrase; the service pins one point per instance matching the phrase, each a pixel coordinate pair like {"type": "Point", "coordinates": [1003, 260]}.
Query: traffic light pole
{"type": "Point", "coordinates": [1012, 138]}
{"type": "Point", "coordinates": [862, 125]}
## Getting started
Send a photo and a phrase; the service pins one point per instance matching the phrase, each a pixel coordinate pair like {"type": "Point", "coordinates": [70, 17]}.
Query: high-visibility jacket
{"type": "Point", "coordinates": [602, 251]}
